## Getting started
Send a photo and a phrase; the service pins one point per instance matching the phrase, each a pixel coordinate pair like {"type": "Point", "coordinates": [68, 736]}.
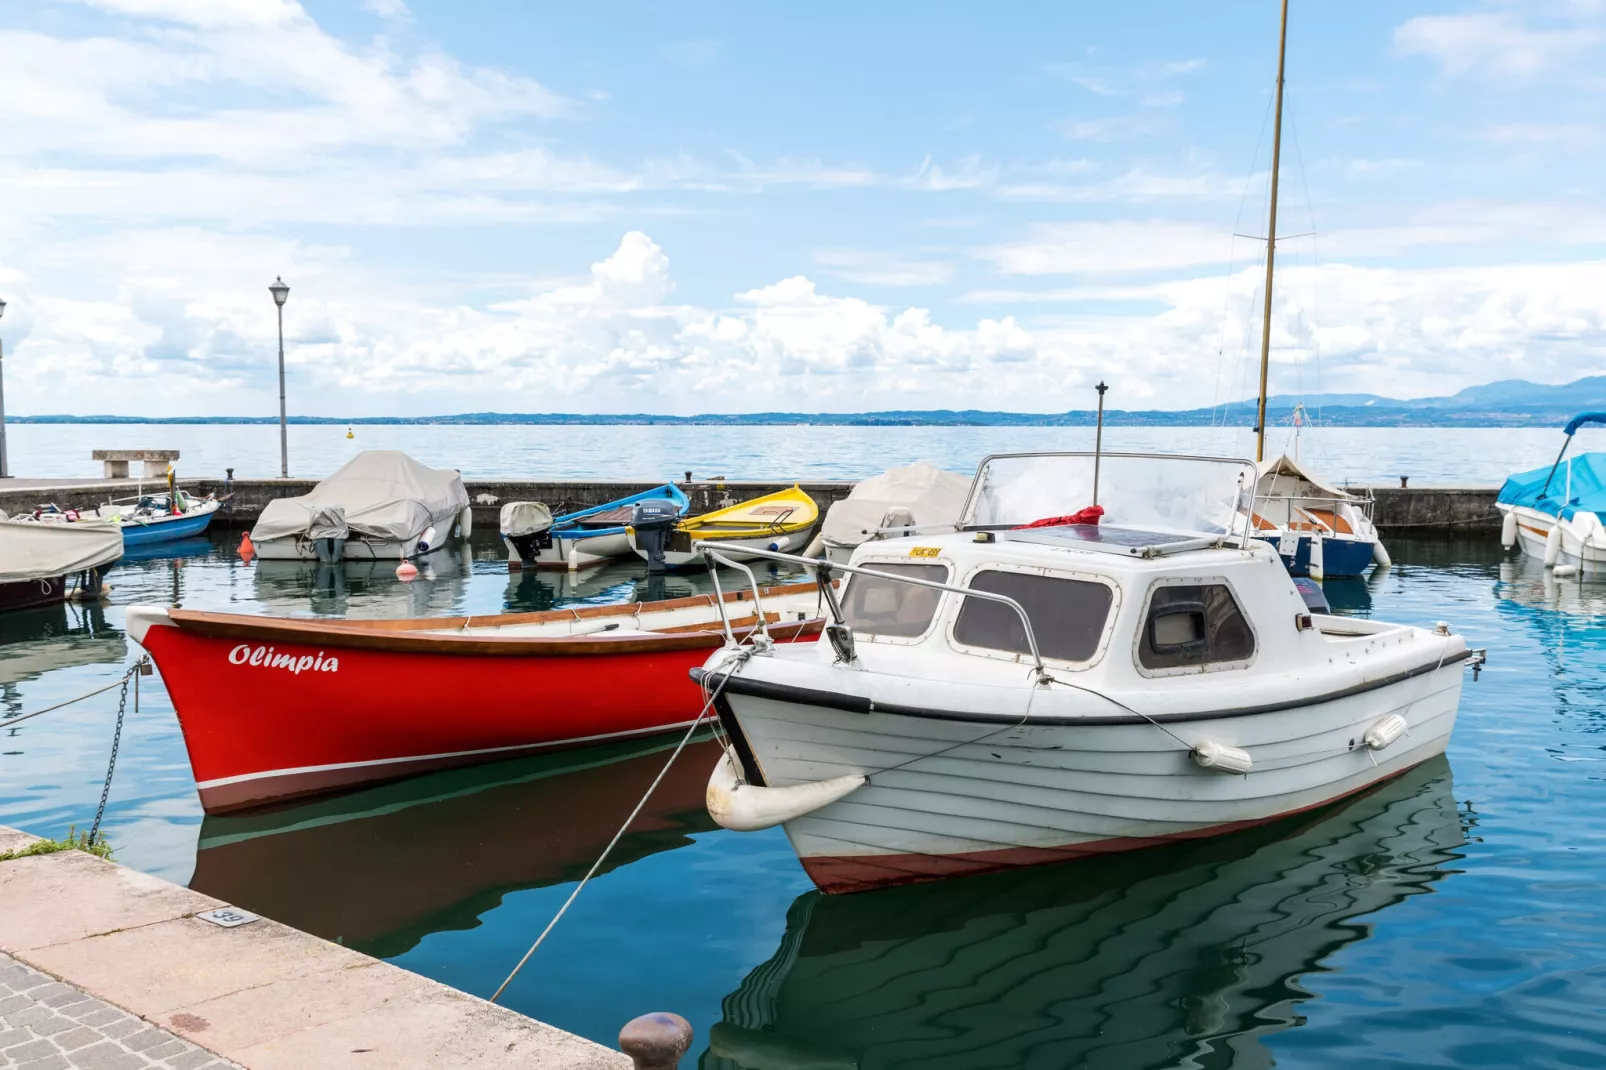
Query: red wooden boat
{"type": "Point", "coordinates": [275, 707]}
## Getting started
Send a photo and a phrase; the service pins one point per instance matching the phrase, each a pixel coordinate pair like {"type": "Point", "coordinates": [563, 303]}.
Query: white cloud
{"type": "Point", "coordinates": [1492, 42]}
{"type": "Point", "coordinates": [882, 269]}
{"type": "Point", "coordinates": [1109, 247]}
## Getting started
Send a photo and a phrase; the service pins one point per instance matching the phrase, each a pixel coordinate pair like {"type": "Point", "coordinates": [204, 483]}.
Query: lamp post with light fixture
{"type": "Point", "coordinates": [280, 291]}
{"type": "Point", "coordinates": [5, 465]}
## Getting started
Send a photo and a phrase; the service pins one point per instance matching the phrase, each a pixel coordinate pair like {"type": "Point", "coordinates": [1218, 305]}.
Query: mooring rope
{"type": "Point", "coordinates": [728, 667]}
{"type": "Point", "coordinates": [7, 722]}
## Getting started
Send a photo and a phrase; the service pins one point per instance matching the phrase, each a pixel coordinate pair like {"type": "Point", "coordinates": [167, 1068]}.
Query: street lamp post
{"type": "Point", "coordinates": [280, 291]}
{"type": "Point", "coordinates": [5, 465]}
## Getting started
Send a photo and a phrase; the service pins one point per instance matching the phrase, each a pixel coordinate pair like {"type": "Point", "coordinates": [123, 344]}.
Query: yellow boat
{"type": "Point", "coordinates": [780, 521]}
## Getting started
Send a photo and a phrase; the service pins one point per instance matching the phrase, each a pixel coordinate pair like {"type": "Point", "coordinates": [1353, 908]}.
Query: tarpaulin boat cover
{"type": "Point", "coordinates": [31, 550]}
{"type": "Point", "coordinates": [384, 494]}
{"type": "Point", "coordinates": [1579, 486]}
{"type": "Point", "coordinates": [525, 518]}
{"type": "Point", "coordinates": [1285, 478]}
{"type": "Point", "coordinates": [925, 492]}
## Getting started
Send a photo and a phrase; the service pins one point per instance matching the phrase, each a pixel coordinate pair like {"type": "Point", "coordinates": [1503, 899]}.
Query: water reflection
{"type": "Point", "coordinates": [34, 642]}
{"type": "Point", "coordinates": [1183, 956]}
{"type": "Point", "coordinates": [367, 589]}
{"type": "Point", "coordinates": [381, 869]}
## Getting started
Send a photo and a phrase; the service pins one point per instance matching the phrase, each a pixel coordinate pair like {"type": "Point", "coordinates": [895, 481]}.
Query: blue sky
{"type": "Point", "coordinates": [734, 207]}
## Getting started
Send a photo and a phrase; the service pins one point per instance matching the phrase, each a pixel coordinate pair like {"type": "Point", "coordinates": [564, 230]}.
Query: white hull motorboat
{"type": "Point", "coordinates": [1553, 513]}
{"type": "Point", "coordinates": [1170, 685]}
{"type": "Point", "coordinates": [582, 553]}
{"type": "Point", "coordinates": [355, 548]}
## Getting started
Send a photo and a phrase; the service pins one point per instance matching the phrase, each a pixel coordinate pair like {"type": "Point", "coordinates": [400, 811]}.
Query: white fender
{"type": "Point", "coordinates": [1553, 544]}
{"type": "Point", "coordinates": [1385, 731]}
{"type": "Point", "coordinates": [1318, 569]}
{"type": "Point", "coordinates": [574, 556]}
{"type": "Point", "coordinates": [816, 547]}
{"type": "Point", "coordinates": [1221, 758]}
{"type": "Point", "coordinates": [748, 808]}
{"type": "Point", "coordinates": [1380, 555]}
{"type": "Point", "coordinates": [1508, 529]}
{"type": "Point", "coordinates": [465, 522]}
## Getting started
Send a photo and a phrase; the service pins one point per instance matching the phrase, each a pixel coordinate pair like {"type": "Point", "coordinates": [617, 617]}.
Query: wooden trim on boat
{"type": "Point", "coordinates": [353, 635]}
{"type": "Point", "coordinates": [805, 696]}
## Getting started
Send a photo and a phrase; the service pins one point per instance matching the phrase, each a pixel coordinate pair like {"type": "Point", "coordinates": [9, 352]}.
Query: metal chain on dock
{"type": "Point", "coordinates": [726, 669]}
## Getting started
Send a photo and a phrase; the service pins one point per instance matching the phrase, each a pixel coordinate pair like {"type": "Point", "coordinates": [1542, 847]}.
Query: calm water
{"type": "Point", "coordinates": [1455, 917]}
{"type": "Point", "coordinates": [1360, 455]}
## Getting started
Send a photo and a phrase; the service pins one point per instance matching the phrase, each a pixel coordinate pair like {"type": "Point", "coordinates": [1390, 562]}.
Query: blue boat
{"type": "Point", "coordinates": [579, 539]}
{"type": "Point", "coordinates": [1555, 513]}
{"type": "Point", "coordinates": [145, 520]}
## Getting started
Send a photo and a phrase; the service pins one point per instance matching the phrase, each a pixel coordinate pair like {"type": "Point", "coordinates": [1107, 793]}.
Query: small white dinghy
{"type": "Point", "coordinates": [1003, 695]}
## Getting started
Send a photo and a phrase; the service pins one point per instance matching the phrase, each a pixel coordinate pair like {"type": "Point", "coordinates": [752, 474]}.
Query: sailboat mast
{"type": "Point", "coordinates": [1271, 240]}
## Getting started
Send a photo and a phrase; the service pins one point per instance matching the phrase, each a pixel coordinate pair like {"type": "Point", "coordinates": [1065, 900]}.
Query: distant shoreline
{"type": "Point", "coordinates": [1333, 417]}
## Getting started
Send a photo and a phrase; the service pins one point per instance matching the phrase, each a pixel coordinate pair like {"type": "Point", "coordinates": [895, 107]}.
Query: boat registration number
{"type": "Point", "coordinates": [923, 551]}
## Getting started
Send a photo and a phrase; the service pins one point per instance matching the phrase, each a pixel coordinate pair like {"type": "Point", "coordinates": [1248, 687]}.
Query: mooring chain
{"type": "Point", "coordinates": [117, 741]}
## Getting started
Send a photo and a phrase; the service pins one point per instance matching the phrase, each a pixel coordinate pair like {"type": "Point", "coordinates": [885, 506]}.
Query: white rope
{"type": "Point", "coordinates": [728, 667]}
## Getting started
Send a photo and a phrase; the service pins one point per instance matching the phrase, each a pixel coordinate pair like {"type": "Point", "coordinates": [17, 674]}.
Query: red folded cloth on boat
{"type": "Point", "coordinates": [1090, 515]}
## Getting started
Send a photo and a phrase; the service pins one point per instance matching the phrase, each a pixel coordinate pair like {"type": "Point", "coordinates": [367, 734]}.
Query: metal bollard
{"type": "Point", "coordinates": [1403, 481]}
{"type": "Point", "coordinates": [656, 1041]}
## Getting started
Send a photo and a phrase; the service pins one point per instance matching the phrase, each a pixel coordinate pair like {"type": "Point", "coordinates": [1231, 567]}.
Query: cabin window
{"type": "Point", "coordinates": [1194, 625]}
{"type": "Point", "coordinates": [877, 606]}
{"type": "Point", "coordinates": [1067, 615]}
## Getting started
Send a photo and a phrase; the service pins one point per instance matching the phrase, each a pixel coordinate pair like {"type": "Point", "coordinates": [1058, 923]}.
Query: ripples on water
{"type": "Point", "coordinates": [1357, 454]}
{"type": "Point", "coordinates": [1453, 917]}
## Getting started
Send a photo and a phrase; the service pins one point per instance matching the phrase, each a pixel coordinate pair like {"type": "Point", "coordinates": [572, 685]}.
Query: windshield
{"type": "Point", "coordinates": [1136, 490]}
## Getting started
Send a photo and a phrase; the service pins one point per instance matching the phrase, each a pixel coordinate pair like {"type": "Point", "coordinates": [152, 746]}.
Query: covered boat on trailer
{"type": "Point", "coordinates": [45, 563]}
{"type": "Point", "coordinates": [1013, 693]}
{"type": "Point", "coordinates": [277, 707]}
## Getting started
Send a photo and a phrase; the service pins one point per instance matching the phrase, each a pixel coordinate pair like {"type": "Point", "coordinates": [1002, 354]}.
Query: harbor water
{"type": "Point", "coordinates": [652, 453]}
{"type": "Point", "coordinates": [1454, 917]}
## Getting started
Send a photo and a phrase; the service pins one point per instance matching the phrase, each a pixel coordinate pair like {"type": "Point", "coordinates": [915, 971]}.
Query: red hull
{"type": "Point", "coordinates": [331, 709]}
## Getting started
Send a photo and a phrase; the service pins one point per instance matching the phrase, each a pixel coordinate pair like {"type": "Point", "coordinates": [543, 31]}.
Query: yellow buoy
{"type": "Point", "coordinates": [349, 434]}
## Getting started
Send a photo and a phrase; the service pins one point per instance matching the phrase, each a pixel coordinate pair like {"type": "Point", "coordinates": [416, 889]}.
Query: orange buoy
{"type": "Point", "coordinates": [247, 551]}
{"type": "Point", "coordinates": [407, 572]}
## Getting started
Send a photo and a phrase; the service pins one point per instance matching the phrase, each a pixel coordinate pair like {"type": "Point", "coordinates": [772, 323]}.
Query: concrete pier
{"type": "Point", "coordinates": [112, 969]}
{"type": "Point", "coordinates": [1426, 510]}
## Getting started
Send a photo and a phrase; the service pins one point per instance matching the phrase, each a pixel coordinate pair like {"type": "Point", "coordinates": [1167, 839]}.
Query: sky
{"type": "Point", "coordinates": [735, 207]}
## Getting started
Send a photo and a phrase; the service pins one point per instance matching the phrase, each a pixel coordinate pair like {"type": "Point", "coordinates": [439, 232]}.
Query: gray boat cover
{"type": "Point", "coordinates": [525, 518]}
{"type": "Point", "coordinates": [920, 492]}
{"type": "Point", "coordinates": [38, 550]}
{"type": "Point", "coordinates": [384, 495]}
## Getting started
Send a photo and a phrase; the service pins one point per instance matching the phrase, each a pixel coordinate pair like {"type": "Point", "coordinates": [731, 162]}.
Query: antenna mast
{"type": "Point", "coordinates": [1271, 241]}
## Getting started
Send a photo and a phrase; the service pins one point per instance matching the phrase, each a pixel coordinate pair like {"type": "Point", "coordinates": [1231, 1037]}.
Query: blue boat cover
{"type": "Point", "coordinates": [1581, 419]}
{"type": "Point", "coordinates": [1579, 485]}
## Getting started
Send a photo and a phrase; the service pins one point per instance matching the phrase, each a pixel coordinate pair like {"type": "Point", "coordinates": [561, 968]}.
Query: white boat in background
{"type": "Point", "coordinates": [1005, 695]}
{"type": "Point", "coordinates": [918, 495]}
{"type": "Point", "coordinates": [1554, 513]}
{"type": "Point", "coordinates": [380, 505]}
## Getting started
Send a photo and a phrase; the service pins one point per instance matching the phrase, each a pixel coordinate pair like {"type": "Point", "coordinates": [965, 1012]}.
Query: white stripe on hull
{"type": "Point", "coordinates": [973, 788]}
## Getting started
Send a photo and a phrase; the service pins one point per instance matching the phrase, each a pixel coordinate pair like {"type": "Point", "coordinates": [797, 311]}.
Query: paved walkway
{"type": "Point", "coordinates": [48, 1025]}
{"type": "Point", "coordinates": [261, 994]}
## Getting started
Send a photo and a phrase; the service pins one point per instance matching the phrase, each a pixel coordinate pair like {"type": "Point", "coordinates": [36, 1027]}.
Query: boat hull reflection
{"type": "Point", "coordinates": [380, 869]}
{"type": "Point", "coordinates": [1180, 956]}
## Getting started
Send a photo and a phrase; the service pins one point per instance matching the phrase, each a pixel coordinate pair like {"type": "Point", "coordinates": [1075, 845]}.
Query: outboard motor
{"type": "Point", "coordinates": [654, 521]}
{"type": "Point", "coordinates": [327, 530]}
{"type": "Point", "coordinates": [527, 530]}
{"type": "Point", "coordinates": [1311, 591]}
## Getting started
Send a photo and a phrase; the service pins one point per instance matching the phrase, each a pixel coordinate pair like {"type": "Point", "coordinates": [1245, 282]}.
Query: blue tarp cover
{"type": "Point", "coordinates": [1586, 491]}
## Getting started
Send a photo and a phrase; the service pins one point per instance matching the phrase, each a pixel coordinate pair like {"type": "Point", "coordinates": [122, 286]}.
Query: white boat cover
{"type": "Point", "coordinates": [384, 494]}
{"type": "Point", "coordinates": [327, 521]}
{"type": "Point", "coordinates": [1284, 478]}
{"type": "Point", "coordinates": [525, 518]}
{"type": "Point", "coordinates": [33, 551]}
{"type": "Point", "coordinates": [921, 492]}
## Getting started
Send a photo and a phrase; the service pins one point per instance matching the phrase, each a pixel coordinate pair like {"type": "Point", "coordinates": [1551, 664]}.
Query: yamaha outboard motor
{"type": "Point", "coordinates": [654, 521]}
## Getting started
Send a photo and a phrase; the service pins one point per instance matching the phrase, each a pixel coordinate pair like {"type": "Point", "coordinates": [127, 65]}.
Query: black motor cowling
{"type": "Point", "coordinates": [529, 546]}
{"type": "Point", "coordinates": [1311, 591]}
{"type": "Point", "coordinates": [654, 522]}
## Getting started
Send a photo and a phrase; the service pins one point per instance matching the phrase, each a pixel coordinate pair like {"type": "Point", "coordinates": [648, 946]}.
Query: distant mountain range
{"type": "Point", "coordinates": [1509, 403]}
